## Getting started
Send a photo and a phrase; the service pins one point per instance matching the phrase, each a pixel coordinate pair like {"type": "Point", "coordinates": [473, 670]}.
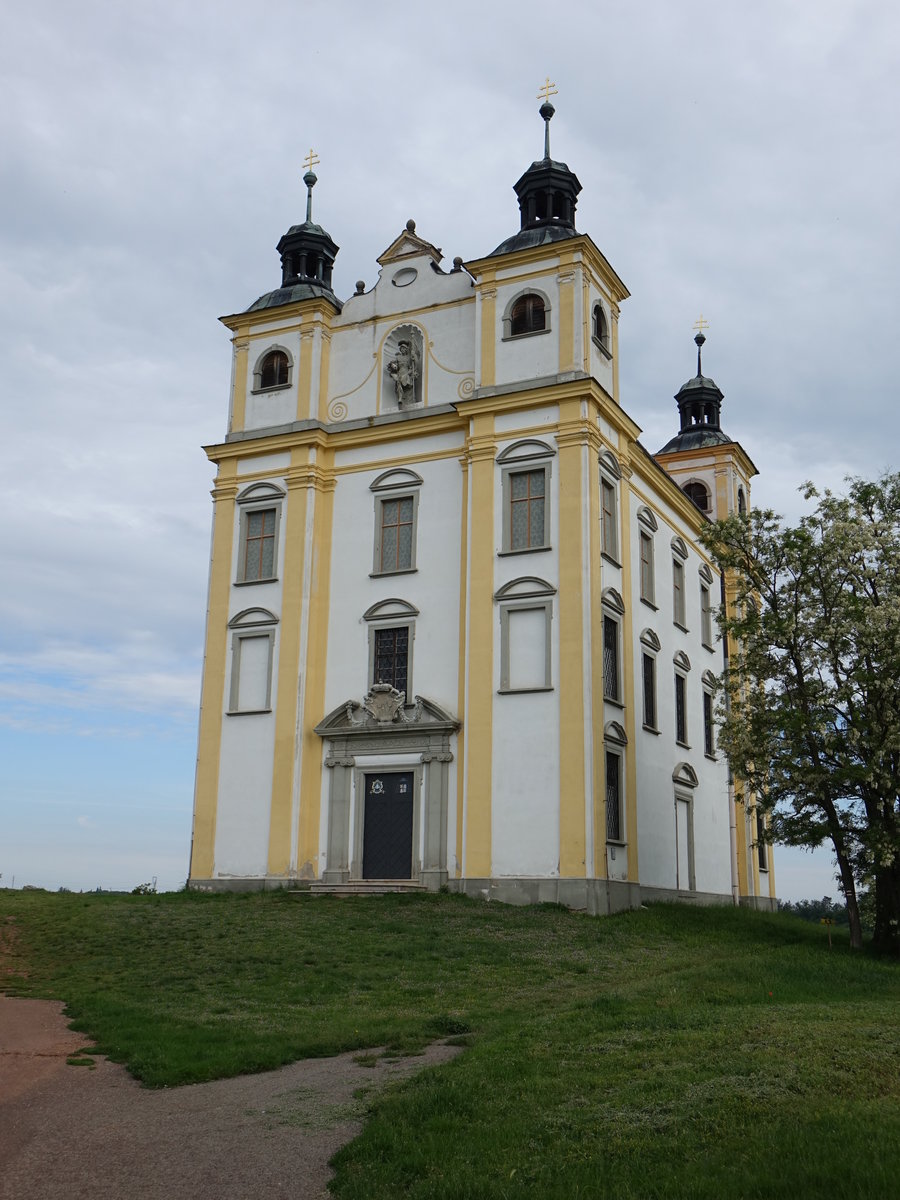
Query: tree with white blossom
{"type": "Point", "coordinates": [810, 718]}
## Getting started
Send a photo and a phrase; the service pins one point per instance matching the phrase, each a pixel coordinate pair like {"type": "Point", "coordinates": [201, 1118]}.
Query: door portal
{"type": "Point", "coordinates": [388, 826]}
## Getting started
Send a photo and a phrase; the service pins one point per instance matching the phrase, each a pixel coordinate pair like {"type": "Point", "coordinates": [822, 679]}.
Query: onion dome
{"type": "Point", "coordinates": [307, 258]}
{"type": "Point", "coordinates": [547, 194]}
{"type": "Point", "coordinates": [700, 405]}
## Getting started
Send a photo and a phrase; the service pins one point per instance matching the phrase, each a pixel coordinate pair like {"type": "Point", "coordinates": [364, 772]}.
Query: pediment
{"type": "Point", "coordinates": [408, 245]}
{"type": "Point", "coordinates": [385, 711]}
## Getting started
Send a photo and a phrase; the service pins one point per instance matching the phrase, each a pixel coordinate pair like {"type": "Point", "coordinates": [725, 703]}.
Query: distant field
{"type": "Point", "coordinates": [671, 1052]}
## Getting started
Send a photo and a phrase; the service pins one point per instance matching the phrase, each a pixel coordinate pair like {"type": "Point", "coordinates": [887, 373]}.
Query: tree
{"type": "Point", "coordinates": [811, 715]}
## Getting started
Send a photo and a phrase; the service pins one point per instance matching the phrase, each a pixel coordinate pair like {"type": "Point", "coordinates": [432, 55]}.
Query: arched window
{"type": "Point", "coordinates": [742, 503]}
{"type": "Point", "coordinates": [527, 315]}
{"type": "Point", "coordinates": [601, 328]}
{"type": "Point", "coordinates": [273, 370]}
{"type": "Point", "coordinates": [699, 493]}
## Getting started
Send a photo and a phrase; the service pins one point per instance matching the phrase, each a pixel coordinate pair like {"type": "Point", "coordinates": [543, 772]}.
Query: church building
{"type": "Point", "coordinates": [461, 629]}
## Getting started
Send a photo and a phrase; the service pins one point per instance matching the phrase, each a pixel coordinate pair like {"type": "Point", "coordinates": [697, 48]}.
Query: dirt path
{"type": "Point", "coordinates": [81, 1131]}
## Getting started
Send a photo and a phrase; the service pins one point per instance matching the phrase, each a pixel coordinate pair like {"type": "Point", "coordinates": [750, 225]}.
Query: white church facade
{"type": "Point", "coordinates": [461, 627]}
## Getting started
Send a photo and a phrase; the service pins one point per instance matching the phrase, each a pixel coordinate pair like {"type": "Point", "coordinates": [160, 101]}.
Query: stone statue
{"type": "Point", "coordinates": [404, 370]}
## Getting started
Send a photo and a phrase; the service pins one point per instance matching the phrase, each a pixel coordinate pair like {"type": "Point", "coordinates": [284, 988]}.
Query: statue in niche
{"type": "Point", "coordinates": [404, 370]}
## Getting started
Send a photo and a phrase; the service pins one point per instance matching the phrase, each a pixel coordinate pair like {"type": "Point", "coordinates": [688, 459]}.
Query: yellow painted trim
{"type": "Point", "coordinates": [324, 364]}
{"type": "Point", "coordinates": [212, 703]}
{"type": "Point", "coordinates": [631, 825]}
{"type": "Point", "coordinates": [586, 330]}
{"type": "Point", "coordinates": [461, 668]}
{"type": "Point", "coordinates": [488, 338]}
{"type": "Point", "coordinates": [294, 523]}
{"type": "Point", "coordinates": [284, 316]}
{"type": "Point", "coordinates": [567, 320]}
{"type": "Point", "coordinates": [596, 590]}
{"type": "Point", "coordinates": [239, 383]}
{"type": "Point", "coordinates": [480, 667]}
{"type": "Point", "coordinates": [316, 660]}
{"type": "Point", "coordinates": [614, 321]}
{"type": "Point", "coordinates": [305, 374]}
{"type": "Point", "coordinates": [571, 440]}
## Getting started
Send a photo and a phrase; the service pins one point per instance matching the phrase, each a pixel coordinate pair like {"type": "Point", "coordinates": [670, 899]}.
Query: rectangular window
{"type": "Point", "coordinates": [678, 593]}
{"type": "Point", "coordinates": [396, 534]}
{"type": "Point", "coordinates": [647, 588]}
{"type": "Point", "coordinates": [611, 688]}
{"type": "Point", "coordinates": [706, 635]}
{"type": "Point", "coordinates": [525, 647]}
{"type": "Point", "coordinates": [709, 746]}
{"type": "Point", "coordinates": [681, 710]}
{"type": "Point", "coordinates": [609, 524]}
{"type": "Point", "coordinates": [251, 673]}
{"type": "Point", "coordinates": [257, 559]}
{"type": "Point", "coordinates": [527, 495]}
{"type": "Point", "coordinates": [613, 797]}
{"type": "Point", "coordinates": [649, 675]}
{"type": "Point", "coordinates": [391, 657]}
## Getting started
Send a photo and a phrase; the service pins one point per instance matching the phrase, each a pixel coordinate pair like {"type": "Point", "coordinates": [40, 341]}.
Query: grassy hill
{"type": "Point", "coordinates": [670, 1052]}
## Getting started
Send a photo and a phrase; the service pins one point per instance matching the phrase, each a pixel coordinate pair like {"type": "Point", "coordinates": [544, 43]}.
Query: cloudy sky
{"type": "Point", "coordinates": [737, 160]}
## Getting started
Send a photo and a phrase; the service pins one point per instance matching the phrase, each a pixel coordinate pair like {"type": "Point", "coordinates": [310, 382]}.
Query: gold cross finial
{"type": "Point", "coordinates": [700, 324]}
{"type": "Point", "coordinates": [549, 89]}
{"type": "Point", "coordinates": [311, 159]}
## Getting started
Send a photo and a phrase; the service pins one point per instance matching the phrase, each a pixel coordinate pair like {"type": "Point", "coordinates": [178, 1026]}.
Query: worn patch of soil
{"type": "Point", "coordinates": [90, 1130]}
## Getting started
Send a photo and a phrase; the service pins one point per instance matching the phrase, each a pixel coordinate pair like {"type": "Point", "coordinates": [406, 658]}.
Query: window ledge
{"type": "Point", "coordinates": [251, 582]}
{"type": "Point", "coordinates": [523, 550]}
{"type": "Point", "coordinates": [650, 729]}
{"type": "Point", "coordinates": [278, 387]}
{"type": "Point", "coordinates": [707, 646]}
{"type": "Point", "coordinates": [603, 349]}
{"type": "Point", "coordinates": [515, 337]}
{"type": "Point", "coordinates": [684, 745]}
{"type": "Point", "coordinates": [522, 691]}
{"type": "Point", "coordinates": [247, 712]}
{"type": "Point", "coordinates": [400, 571]}
{"type": "Point", "coordinates": [649, 603]}
{"type": "Point", "coordinates": [711, 757]}
{"type": "Point", "coordinates": [609, 558]}
{"type": "Point", "coordinates": [617, 842]}
{"type": "Point", "coordinates": [614, 700]}
{"type": "Point", "coordinates": [683, 628]}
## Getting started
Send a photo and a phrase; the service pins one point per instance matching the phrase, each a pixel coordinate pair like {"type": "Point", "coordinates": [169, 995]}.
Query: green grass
{"type": "Point", "coordinates": [672, 1052]}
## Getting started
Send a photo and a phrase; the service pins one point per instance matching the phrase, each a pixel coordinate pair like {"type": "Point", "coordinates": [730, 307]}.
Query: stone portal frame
{"type": "Point", "coordinates": [417, 739]}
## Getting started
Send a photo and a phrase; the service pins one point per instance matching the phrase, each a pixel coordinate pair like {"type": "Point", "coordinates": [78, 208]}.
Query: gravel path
{"type": "Point", "coordinates": [82, 1131]}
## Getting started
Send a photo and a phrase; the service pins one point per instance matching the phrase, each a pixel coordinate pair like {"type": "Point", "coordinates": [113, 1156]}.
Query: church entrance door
{"type": "Point", "coordinates": [388, 826]}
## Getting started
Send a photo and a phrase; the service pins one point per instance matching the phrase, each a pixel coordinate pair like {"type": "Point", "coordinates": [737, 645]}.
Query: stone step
{"type": "Point", "coordinates": [365, 887]}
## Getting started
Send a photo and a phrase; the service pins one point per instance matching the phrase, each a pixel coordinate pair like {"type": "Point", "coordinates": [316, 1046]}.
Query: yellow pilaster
{"type": "Point", "coordinates": [294, 522]}
{"type": "Point", "coordinates": [323, 481]}
{"type": "Point", "coordinates": [614, 321]}
{"type": "Point", "coordinates": [488, 336]}
{"type": "Point", "coordinates": [304, 375]}
{"type": "Point", "coordinates": [461, 669]}
{"type": "Point", "coordinates": [239, 382]}
{"type": "Point", "coordinates": [480, 668]}
{"type": "Point", "coordinates": [571, 440]}
{"type": "Point", "coordinates": [324, 362]}
{"type": "Point", "coordinates": [567, 320]}
{"type": "Point", "coordinates": [596, 614]}
{"type": "Point", "coordinates": [631, 826]}
{"type": "Point", "coordinates": [212, 698]}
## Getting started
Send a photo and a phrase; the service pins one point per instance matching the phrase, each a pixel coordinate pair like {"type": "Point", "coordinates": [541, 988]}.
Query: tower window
{"type": "Point", "coordinates": [699, 493]}
{"type": "Point", "coordinates": [742, 503]}
{"type": "Point", "coordinates": [527, 315]}
{"type": "Point", "coordinates": [274, 372]}
{"type": "Point", "coordinates": [601, 328]}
